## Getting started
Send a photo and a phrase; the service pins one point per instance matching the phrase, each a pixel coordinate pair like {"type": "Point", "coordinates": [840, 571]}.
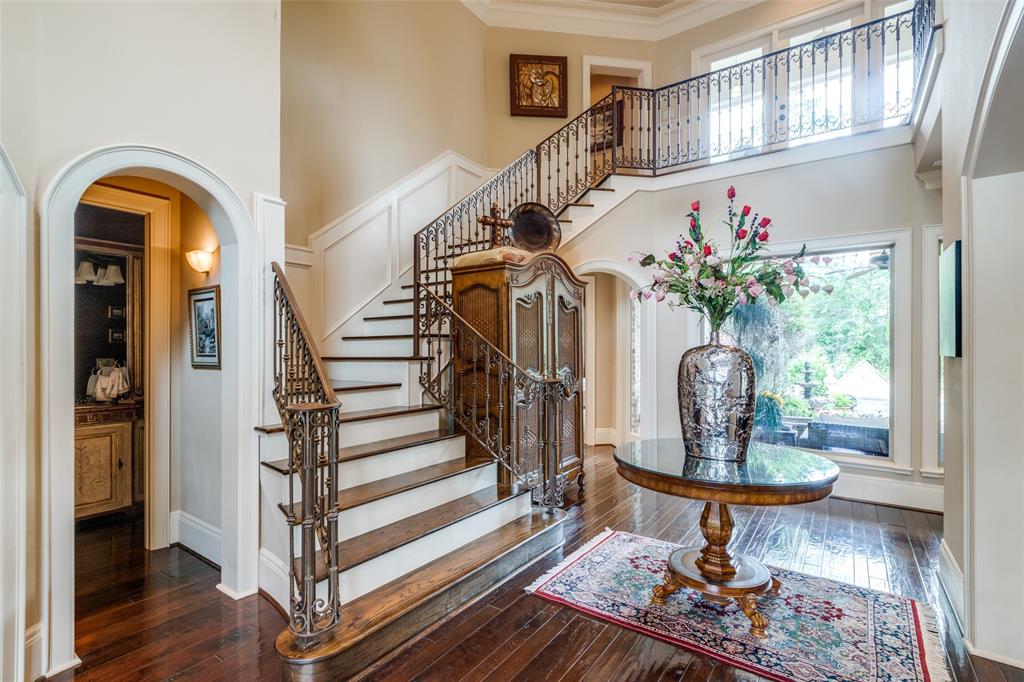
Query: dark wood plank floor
{"type": "Point", "coordinates": [157, 615]}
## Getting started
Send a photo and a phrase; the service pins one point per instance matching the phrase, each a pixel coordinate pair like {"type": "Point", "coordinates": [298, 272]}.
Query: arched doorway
{"type": "Point", "coordinates": [242, 268]}
{"type": "Point", "coordinates": [634, 357]}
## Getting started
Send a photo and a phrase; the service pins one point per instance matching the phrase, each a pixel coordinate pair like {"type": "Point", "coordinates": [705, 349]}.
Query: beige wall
{"type": "Point", "coordinates": [509, 136]}
{"type": "Point", "coordinates": [199, 78]}
{"type": "Point", "coordinates": [371, 91]}
{"type": "Point", "coordinates": [601, 85]}
{"type": "Point", "coordinates": [604, 375]}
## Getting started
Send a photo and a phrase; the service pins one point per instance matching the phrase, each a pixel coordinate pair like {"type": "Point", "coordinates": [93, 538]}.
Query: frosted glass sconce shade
{"type": "Point", "coordinates": [201, 261]}
{"type": "Point", "coordinates": [85, 273]}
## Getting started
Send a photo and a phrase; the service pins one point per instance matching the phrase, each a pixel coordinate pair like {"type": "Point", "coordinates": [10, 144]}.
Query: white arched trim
{"type": "Point", "coordinates": [649, 333]}
{"type": "Point", "coordinates": [1010, 24]}
{"type": "Point", "coordinates": [13, 421]}
{"type": "Point", "coordinates": [241, 267]}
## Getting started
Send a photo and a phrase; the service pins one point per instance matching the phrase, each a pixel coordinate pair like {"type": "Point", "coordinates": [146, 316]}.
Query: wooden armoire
{"type": "Point", "coordinates": [533, 313]}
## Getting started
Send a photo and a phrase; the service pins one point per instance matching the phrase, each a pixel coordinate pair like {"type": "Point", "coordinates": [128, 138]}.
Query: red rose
{"type": "Point", "coordinates": [693, 224]}
{"type": "Point", "coordinates": [765, 222]}
{"type": "Point", "coordinates": [746, 210]}
{"type": "Point", "coordinates": [731, 192]}
{"type": "Point", "coordinates": [742, 233]}
{"type": "Point", "coordinates": [707, 249]}
{"type": "Point", "coordinates": [695, 207]}
{"type": "Point", "coordinates": [762, 237]}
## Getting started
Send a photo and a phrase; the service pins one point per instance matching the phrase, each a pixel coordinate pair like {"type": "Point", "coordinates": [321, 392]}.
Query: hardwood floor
{"type": "Point", "coordinates": [157, 615]}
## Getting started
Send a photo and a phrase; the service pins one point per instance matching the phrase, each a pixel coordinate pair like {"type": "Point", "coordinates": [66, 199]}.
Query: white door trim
{"type": "Point", "coordinates": [13, 422]}
{"type": "Point", "coordinates": [641, 69]}
{"type": "Point", "coordinates": [242, 299]}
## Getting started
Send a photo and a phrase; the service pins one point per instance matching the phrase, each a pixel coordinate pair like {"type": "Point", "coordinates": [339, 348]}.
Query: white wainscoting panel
{"type": "Point", "coordinates": [363, 253]}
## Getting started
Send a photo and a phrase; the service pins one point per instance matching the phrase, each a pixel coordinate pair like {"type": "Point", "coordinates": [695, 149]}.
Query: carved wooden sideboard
{"type": "Point", "coordinates": [106, 436]}
{"type": "Point", "coordinates": [533, 313]}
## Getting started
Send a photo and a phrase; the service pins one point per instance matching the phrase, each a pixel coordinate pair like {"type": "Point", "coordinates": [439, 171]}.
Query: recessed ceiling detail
{"type": "Point", "coordinates": [632, 19]}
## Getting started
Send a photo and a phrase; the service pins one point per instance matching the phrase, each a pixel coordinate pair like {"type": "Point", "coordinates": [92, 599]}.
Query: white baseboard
{"type": "Point", "coordinates": [196, 534]}
{"type": "Point", "coordinates": [1006, 660]}
{"type": "Point", "coordinates": [235, 595]}
{"type": "Point", "coordinates": [606, 436]}
{"type": "Point", "coordinates": [951, 578]}
{"type": "Point", "coordinates": [913, 494]}
{"type": "Point", "coordinates": [35, 666]}
{"type": "Point", "coordinates": [274, 577]}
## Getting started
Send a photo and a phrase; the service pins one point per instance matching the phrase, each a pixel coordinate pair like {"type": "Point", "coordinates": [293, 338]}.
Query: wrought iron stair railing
{"type": "Point", "coordinates": [854, 80]}
{"type": "Point", "coordinates": [310, 413]}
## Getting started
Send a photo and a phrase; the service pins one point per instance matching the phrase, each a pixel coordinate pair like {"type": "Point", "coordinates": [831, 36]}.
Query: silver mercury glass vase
{"type": "Point", "coordinates": [716, 401]}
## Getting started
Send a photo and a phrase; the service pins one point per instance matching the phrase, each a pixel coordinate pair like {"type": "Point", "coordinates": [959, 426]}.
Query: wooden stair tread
{"type": "Point", "coordinates": [361, 415]}
{"type": "Point", "coordinates": [386, 487]}
{"type": "Point", "coordinates": [601, 189]}
{"type": "Point", "coordinates": [347, 386]}
{"type": "Point", "coordinates": [363, 548]}
{"type": "Point", "coordinates": [374, 358]}
{"type": "Point", "coordinates": [582, 203]}
{"type": "Point", "coordinates": [380, 318]}
{"type": "Point", "coordinates": [385, 337]}
{"type": "Point", "coordinates": [366, 615]}
{"type": "Point", "coordinates": [396, 301]}
{"type": "Point", "coordinates": [377, 447]}
{"type": "Point", "coordinates": [429, 284]}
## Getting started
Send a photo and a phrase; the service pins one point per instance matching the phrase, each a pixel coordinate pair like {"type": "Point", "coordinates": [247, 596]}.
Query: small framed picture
{"type": "Point", "coordinates": [115, 312]}
{"type": "Point", "coordinates": [204, 327]}
{"type": "Point", "coordinates": [115, 336]}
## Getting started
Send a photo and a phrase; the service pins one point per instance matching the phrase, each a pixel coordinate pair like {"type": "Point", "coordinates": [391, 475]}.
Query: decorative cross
{"type": "Point", "coordinates": [496, 223]}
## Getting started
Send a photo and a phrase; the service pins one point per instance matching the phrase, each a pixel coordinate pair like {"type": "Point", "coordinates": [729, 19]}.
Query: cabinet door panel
{"type": "Point", "coordinates": [102, 468]}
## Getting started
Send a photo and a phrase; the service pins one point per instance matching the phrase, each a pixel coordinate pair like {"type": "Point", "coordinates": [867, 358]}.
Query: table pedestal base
{"type": "Point", "coordinates": [715, 573]}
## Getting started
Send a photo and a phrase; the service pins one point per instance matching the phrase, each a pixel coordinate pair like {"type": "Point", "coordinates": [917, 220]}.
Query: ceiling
{"type": "Point", "coordinates": [634, 19]}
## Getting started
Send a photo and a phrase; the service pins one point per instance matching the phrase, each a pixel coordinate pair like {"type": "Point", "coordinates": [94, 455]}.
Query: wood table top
{"type": "Point", "coordinates": [771, 474]}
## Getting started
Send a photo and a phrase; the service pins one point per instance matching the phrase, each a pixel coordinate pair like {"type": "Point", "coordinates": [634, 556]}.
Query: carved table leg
{"type": "Point", "coordinates": [776, 585]}
{"type": "Point", "coordinates": [666, 588]}
{"type": "Point", "coordinates": [715, 562]}
{"type": "Point", "coordinates": [758, 622]}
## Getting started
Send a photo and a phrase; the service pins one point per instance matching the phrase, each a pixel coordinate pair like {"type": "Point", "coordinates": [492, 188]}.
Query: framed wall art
{"type": "Point", "coordinates": [204, 327]}
{"type": "Point", "coordinates": [538, 85]}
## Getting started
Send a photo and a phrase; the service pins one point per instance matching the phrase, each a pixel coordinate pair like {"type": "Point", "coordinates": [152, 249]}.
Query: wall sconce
{"type": "Point", "coordinates": [201, 261]}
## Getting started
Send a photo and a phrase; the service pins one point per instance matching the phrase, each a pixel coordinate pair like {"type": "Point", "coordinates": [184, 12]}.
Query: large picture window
{"type": "Point", "coordinates": [824, 361]}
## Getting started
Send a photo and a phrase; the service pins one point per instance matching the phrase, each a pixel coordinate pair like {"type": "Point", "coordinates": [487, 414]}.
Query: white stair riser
{"type": "Point", "coordinates": [367, 517]}
{"type": "Point", "coordinates": [395, 347]}
{"type": "Point", "coordinates": [368, 576]}
{"type": "Point", "coordinates": [398, 370]}
{"type": "Point", "coordinates": [400, 326]}
{"type": "Point", "coordinates": [367, 469]}
{"type": "Point", "coordinates": [355, 401]}
{"type": "Point", "coordinates": [368, 430]}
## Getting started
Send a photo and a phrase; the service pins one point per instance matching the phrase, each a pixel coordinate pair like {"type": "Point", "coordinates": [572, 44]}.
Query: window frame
{"type": "Point", "coordinates": [900, 241]}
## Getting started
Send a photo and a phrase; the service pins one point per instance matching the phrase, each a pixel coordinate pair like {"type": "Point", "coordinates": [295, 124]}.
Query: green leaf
{"type": "Point", "coordinates": [648, 260]}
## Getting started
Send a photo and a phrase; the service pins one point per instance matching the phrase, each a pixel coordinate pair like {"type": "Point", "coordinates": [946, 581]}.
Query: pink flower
{"type": "Point", "coordinates": [791, 278]}
{"type": "Point", "coordinates": [707, 249]}
{"type": "Point", "coordinates": [815, 259]}
{"type": "Point", "coordinates": [805, 281]}
{"type": "Point", "coordinates": [693, 224]}
{"type": "Point", "coordinates": [647, 293]}
{"type": "Point", "coordinates": [660, 296]}
{"type": "Point", "coordinates": [765, 222]}
{"type": "Point", "coordinates": [828, 288]}
{"type": "Point", "coordinates": [815, 288]}
{"type": "Point", "coordinates": [787, 291]}
{"type": "Point", "coordinates": [755, 290]}
{"type": "Point", "coordinates": [741, 233]}
{"type": "Point", "coordinates": [762, 236]}
{"type": "Point", "coordinates": [629, 259]}
{"type": "Point", "coordinates": [695, 207]}
{"type": "Point", "coordinates": [827, 259]}
{"type": "Point", "coordinates": [742, 298]}
{"type": "Point", "coordinates": [731, 192]}
{"type": "Point", "coordinates": [745, 210]}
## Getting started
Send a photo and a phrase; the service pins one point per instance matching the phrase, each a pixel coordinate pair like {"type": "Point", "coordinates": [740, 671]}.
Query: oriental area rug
{"type": "Point", "coordinates": [818, 630]}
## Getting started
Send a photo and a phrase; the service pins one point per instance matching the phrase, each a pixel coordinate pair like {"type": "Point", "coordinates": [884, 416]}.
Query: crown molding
{"type": "Point", "coordinates": [604, 19]}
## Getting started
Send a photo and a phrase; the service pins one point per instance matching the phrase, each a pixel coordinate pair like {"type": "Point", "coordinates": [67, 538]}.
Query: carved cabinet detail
{"type": "Point", "coordinates": [103, 468]}
{"type": "Point", "coordinates": [532, 312]}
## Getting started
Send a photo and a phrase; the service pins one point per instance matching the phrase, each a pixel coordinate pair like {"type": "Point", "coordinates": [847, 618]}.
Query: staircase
{"type": "Point", "coordinates": [389, 523]}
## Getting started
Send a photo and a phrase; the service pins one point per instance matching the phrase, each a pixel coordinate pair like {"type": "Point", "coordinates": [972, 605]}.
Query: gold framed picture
{"type": "Point", "coordinates": [204, 327]}
{"type": "Point", "coordinates": [538, 85]}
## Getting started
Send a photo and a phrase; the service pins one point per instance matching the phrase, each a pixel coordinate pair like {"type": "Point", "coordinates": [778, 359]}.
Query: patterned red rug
{"type": "Point", "coordinates": [819, 629]}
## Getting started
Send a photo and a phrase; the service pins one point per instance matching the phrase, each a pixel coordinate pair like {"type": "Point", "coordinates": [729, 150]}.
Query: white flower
{"type": "Point", "coordinates": [713, 261]}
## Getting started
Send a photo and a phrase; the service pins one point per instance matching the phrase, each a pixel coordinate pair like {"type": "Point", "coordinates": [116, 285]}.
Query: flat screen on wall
{"type": "Point", "coordinates": [950, 302]}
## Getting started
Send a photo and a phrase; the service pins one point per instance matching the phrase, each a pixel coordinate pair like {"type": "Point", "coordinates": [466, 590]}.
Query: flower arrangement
{"type": "Point", "coordinates": [711, 282]}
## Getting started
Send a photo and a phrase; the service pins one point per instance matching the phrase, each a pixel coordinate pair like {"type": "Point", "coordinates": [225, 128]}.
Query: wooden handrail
{"type": "Point", "coordinates": [329, 396]}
